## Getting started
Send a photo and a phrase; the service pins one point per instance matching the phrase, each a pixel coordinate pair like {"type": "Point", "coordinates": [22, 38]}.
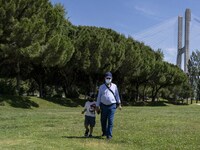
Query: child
{"type": "Point", "coordinates": [90, 107]}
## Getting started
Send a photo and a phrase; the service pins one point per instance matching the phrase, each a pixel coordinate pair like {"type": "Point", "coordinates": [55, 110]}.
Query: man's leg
{"type": "Point", "coordinates": [111, 114]}
{"type": "Point", "coordinates": [104, 114]}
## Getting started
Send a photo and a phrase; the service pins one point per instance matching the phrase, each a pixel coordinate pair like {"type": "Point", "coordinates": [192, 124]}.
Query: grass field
{"type": "Point", "coordinates": [43, 125]}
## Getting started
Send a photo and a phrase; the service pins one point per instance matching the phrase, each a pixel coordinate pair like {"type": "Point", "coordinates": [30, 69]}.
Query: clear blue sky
{"type": "Point", "coordinates": [131, 17]}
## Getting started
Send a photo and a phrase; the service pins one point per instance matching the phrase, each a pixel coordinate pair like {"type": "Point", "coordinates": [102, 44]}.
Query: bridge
{"type": "Point", "coordinates": [169, 36]}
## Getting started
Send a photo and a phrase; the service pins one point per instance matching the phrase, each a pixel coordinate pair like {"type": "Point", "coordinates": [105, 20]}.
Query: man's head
{"type": "Point", "coordinates": [108, 77]}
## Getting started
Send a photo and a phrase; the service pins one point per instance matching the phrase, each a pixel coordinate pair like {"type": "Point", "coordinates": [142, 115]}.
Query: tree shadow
{"type": "Point", "coordinates": [157, 103]}
{"type": "Point", "coordinates": [82, 137]}
{"type": "Point", "coordinates": [66, 101]}
{"type": "Point", "coordinates": [18, 101]}
{"type": "Point", "coordinates": [146, 103]}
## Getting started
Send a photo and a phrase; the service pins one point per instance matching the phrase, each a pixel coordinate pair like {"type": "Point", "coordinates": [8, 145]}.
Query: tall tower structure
{"type": "Point", "coordinates": [180, 37]}
{"type": "Point", "coordinates": [184, 49]}
{"type": "Point", "coordinates": [187, 35]}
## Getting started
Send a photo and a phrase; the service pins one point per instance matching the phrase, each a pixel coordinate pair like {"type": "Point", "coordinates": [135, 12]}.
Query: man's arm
{"type": "Point", "coordinates": [118, 98]}
{"type": "Point", "coordinates": [117, 95]}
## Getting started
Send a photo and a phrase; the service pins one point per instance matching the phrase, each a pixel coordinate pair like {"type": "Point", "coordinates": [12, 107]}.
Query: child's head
{"type": "Point", "coordinates": [91, 99]}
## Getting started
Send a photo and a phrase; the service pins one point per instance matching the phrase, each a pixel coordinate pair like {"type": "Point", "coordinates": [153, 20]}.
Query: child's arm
{"type": "Point", "coordinates": [84, 111]}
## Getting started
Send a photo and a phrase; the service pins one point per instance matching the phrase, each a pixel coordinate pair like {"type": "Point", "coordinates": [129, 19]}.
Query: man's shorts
{"type": "Point", "coordinates": [90, 121]}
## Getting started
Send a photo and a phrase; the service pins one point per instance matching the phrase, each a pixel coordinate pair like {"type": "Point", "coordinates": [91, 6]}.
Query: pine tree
{"type": "Point", "coordinates": [33, 32]}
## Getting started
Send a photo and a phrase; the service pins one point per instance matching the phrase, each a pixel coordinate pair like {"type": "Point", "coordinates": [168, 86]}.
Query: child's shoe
{"type": "Point", "coordinates": [86, 133]}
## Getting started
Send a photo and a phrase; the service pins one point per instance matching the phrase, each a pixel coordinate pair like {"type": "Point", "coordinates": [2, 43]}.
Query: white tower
{"type": "Point", "coordinates": [184, 49]}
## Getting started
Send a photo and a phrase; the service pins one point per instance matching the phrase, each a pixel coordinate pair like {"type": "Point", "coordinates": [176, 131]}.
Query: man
{"type": "Point", "coordinates": [108, 99]}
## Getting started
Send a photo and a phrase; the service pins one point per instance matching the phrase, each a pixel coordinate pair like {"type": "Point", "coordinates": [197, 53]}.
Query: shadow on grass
{"type": "Point", "coordinates": [82, 137]}
{"type": "Point", "coordinates": [157, 103]}
{"type": "Point", "coordinates": [26, 102]}
{"type": "Point", "coordinates": [18, 101]}
{"type": "Point", "coordinates": [66, 101]}
{"type": "Point", "coordinates": [146, 103]}
{"type": "Point", "coordinates": [153, 104]}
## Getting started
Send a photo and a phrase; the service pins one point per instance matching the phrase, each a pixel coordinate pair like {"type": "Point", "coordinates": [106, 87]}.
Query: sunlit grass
{"type": "Point", "coordinates": [52, 126]}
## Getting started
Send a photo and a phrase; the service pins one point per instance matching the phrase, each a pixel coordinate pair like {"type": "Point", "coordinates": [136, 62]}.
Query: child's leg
{"type": "Point", "coordinates": [86, 130]}
{"type": "Point", "coordinates": [92, 124]}
{"type": "Point", "coordinates": [87, 127]}
{"type": "Point", "coordinates": [86, 124]}
{"type": "Point", "coordinates": [91, 130]}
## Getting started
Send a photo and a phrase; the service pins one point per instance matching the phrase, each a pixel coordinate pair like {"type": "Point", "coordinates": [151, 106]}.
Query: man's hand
{"type": "Point", "coordinates": [120, 107]}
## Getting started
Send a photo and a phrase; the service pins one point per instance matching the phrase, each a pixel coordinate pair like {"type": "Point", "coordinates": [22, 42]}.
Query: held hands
{"type": "Point", "coordinates": [98, 110]}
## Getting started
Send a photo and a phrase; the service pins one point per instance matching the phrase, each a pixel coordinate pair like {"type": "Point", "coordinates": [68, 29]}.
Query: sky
{"type": "Point", "coordinates": [153, 22]}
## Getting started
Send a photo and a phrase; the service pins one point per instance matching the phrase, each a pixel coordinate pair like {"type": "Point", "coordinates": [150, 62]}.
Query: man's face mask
{"type": "Point", "coordinates": [108, 80]}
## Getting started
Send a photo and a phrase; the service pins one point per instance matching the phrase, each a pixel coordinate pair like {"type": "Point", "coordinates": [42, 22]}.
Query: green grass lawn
{"type": "Point", "coordinates": [45, 125]}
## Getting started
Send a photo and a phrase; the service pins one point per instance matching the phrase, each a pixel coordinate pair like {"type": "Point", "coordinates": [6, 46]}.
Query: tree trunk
{"type": "Point", "coordinates": [137, 92]}
{"type": "Point", "coordinates": [144, 92]}
{"type": "Point", "coordinates": [40, 90]}
{"type": "Point", "coordinates": [155, 92]}
{"type": "Point", "coordinates": [152, 95]}
{"type": "Point", "coordinates": [18, 79]}
{"type": "Point", "coordinates": [64, 90]}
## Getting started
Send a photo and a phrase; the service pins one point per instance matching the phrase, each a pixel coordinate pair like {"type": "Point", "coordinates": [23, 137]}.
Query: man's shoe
{"type": "Point", "coordinates": [90, 135]}
{"type": "Point", "coordinates": [103, 134]}
{"type": "Point", "coordinates": [109, 137]}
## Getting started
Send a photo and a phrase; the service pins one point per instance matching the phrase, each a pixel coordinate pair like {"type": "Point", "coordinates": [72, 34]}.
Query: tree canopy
{"type": "Point", "coordinates": [39, 46]}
